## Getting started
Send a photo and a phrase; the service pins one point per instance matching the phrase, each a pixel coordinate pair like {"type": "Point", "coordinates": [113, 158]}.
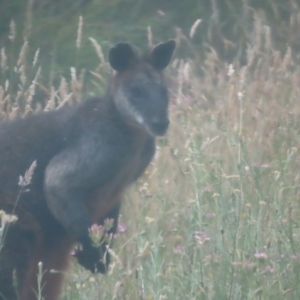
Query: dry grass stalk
{"type": "Point", "coordinates": [31, 90]}
{"type": "Point", "coordinates": [268, 38]}
{"type": "Point", "coordinates": [6, 219]}
{"type": "Point", "coordinates": [149, 36]}
{"type": "Point", "coordinates": [51, 104]}
{"type": "Point", "coordinates": [12, 30]}
{"type": "Point", "coordinates": [98, 50]}
{"type": "Point", "coordinates": [180, 80]}
{"type": "Point", "coordinates": [1, 94]}
{"type": "Point", "coordinates": [117, 290]}
{"type": "Point", "coordinates": [36, 57]}
{"type": "Point", "coordinates": [287, 59]}
{"type": "Point", "coordinates": [22, 55]}
{"type": "Point", "coordinates": [63, 89]}
{"type": "Point", "coordinates": [73, 75]}
{"type": "Point", "coordinates": [15, 113]}
{"type": "Point", "coordinates": [6, 85]}
{"type": "Point", "coordinates": [26, 180]}
{"type": "Point", "coordinates": [28, 110]}
{"type": "Point", "coordinates": [22, 74]}
{"type": "Point", "coordinates": [3, 60]}
{"type": "Point", "coordinates": [28, 22]}
{"type": "Point", "coordinates": [79, 33]}
{"type": "Point", "coordinates": [194, 27]}
{"type": "Point", "coordinates": [64, 101]}
{"type": "Point", "coordinates": [115, 257]}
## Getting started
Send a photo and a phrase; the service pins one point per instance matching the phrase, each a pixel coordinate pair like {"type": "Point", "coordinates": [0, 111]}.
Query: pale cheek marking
{"type": "Point", "coordinates": [127, 109]}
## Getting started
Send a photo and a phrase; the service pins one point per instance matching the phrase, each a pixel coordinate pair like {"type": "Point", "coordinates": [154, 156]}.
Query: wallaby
{"type": "Point", "coordinates": [86, 156]}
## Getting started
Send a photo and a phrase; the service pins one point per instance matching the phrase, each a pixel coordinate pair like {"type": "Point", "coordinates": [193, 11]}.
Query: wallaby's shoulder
{"type": "Point", "coordinates": [92, 112]}
{"type": "Point", "coordinates": [98, 117]}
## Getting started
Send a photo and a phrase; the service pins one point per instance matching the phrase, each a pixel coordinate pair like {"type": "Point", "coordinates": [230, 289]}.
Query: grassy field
{"type": "Point", "coordinates": [216, 216]}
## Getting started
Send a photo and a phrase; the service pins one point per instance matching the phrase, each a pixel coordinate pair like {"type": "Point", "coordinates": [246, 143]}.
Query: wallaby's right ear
{"type": "Point", "coordinates": [121, 56]}
{"type": "Point", "coordinates": [161, 54]}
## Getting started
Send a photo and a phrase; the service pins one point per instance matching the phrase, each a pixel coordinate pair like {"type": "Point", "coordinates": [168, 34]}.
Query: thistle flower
{"type": "Point", "coordinates": [108, 224]}
{"type": "Point", "coordinates": [96, 233]}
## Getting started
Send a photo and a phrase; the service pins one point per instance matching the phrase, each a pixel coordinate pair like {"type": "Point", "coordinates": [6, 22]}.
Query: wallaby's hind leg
{"type": "Point", "coordinates": [56, 258]}
{"type": "Point", "coordinates": [15, 254]}
{"type": "Point", "coordinates": [53, 256]}
{"type": "Point", "coordinates": [19, 257]}
{"type": "Point", "coordinates": [7, 289]}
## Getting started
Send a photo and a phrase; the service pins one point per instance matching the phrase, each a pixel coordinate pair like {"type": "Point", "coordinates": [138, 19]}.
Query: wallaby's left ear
{"type": "Point", "coordinates": [161, 54]}
{"type": "Point", "coordinates": [121, 56]}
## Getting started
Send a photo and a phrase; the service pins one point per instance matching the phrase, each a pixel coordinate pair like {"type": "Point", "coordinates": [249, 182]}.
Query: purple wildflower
{"type": "Point", "coordinates": [178, 250]}
{"type": "Point", "coordinates": [236, 264]}
{"type": "Point", "coordinates": [208, 189]}
{"type": "Point", "coordinates": [122, 228]}
{"type": "Point", "coordinates": [96, 230]}
{"type": "Point", "coordinates": [269, 269]}
{"type": "Point", "coordinates": [261, 255]}
{"type": "Point", "coordinates": [201, 237]}
{"type": "Point", "coordinates": [265, 165]}
{"type": "Point", "coordinates": [248, 264]}
{"type": "Point", "coordinates": [210, 215]}
{"type": "Point", "coordinates": [187, 99]}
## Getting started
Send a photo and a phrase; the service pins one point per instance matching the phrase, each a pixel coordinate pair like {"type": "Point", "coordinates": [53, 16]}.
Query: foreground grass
{"type": "Point", "coordinates": [216, 216]}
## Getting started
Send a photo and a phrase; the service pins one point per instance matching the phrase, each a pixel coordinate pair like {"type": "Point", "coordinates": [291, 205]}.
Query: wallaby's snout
{"type": "Point", "coordinates": [159, 126]}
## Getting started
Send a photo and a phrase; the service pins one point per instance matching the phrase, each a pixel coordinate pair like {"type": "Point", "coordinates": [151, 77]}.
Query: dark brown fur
{"type": "Point", "coordinates": [86, 157]}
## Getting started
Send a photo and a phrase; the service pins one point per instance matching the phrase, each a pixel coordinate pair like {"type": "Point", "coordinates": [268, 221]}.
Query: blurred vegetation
{"type": "Point", "coordinates": [227, 30]}
{"type": "Point", "coordinates": [226, 26]}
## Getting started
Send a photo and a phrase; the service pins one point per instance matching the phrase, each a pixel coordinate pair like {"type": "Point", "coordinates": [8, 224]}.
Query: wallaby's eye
{"type": "Point", "coordinates": [137, 91]}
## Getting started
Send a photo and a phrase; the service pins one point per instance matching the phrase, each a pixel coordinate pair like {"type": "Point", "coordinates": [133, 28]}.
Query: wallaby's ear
{"type": "Point", "coordinates": [161, 54]}
{"type": "Point", "coordinates": [121, 56]}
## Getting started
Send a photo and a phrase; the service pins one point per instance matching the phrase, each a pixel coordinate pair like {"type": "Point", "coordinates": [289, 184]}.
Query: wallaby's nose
{"type": "Point", "coordinates": [159, 125]}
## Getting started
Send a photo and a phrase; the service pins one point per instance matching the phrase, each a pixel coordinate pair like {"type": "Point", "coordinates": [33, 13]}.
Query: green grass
{"type": "Point", "coordinates": [216, 216]}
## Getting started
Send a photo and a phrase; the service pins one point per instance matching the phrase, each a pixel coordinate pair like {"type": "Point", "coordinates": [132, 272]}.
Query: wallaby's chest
{"type": "Point", "coordinates": [106, 197]}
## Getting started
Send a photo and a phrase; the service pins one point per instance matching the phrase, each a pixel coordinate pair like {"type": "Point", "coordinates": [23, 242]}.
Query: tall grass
{"type": "Point", "coordinates": [216, 216]}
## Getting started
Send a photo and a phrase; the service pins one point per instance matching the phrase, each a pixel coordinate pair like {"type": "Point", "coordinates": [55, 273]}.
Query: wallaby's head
{"type": "Point", "coordinates": [138, 88]}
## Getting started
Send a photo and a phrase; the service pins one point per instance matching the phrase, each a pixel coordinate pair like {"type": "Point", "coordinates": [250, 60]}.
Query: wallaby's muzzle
{"type": "Point", "coordinates": [159, 126]}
